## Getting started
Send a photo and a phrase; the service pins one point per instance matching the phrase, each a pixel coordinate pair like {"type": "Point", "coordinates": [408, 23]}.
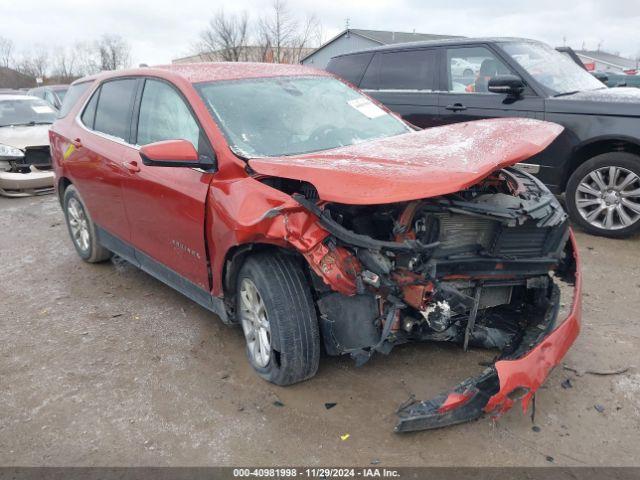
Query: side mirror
{"type": "Point", "coordinates": [171, 153]}
{"type": "Point", "coordinates": [509, 84]}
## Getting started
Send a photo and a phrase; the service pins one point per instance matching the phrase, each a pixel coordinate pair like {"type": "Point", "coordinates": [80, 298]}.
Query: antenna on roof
{"type": "Point", "coordinates": [346, 23]}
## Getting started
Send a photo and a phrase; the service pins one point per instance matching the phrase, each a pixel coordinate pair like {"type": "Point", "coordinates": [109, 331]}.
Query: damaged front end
{"type": "Point", "coordinates": [482, 267]}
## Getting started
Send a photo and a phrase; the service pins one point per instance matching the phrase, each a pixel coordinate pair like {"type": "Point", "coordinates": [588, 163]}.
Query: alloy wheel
{"type": "Point", "coordinates": [609, 198]}
{"type": "Point", "coordinates": [253, 316]}
{"type": "Point", "coordinates": [78, 223]}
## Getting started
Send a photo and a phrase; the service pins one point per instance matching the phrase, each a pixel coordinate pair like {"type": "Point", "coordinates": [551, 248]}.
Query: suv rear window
{"type": "Point", "coordinates": [113, 115]}
{"type": "Point", "coordinates": [351, 67]}
{"type": "Point", "coordinates": [73, 94]}
{"type": "Point", "coordinates": [408, 70]}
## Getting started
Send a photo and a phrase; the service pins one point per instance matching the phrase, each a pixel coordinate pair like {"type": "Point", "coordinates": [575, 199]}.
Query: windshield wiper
{"type": "Point", "coordinates": [27, 124]}
{"type": "Point", "coordinates": [566, 93]}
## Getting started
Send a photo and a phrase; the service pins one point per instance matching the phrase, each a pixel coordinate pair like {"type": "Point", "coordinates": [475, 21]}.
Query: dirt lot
{"type": "Point", "coordinates": [104, 365]}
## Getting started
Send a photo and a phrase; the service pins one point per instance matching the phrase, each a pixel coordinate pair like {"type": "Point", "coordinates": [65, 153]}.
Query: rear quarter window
{"type": "Point", "coordinates": [73, 94]}
{"type": "Point", "coordinates": [115, 105]}
{"type": "Point", "coordinates": [351, 67]}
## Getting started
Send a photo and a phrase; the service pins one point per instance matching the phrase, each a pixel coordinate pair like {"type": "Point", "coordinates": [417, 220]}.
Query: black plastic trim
{"type": "Point", "coordinates": [163, 273]}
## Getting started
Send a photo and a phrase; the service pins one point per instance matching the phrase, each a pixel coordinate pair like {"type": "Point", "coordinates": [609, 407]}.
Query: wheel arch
{"type": "Point", "coordinates": [598, 146]}
{"type": "Point", "coordinates": [61, 185]}
{"type": "Point", "coordinates": [236, 256]}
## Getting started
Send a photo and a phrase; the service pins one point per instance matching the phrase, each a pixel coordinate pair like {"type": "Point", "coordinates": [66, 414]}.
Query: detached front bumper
{"type": "Point", "coordinates": [35, 182]}
{"type": "Point", "coordinates": [514, 377]}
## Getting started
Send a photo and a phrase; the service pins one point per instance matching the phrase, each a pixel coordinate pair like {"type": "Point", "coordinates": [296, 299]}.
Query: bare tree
{"type": "Point", "coordinates": [226, 36]}
{"type": "Point", "coordinates": [309, 34]}
{"type": "Point", "coordinates": [6, 52]}
{"type": "Point", "coordinates": [65, 67]}
{"type": "Point", "coordinates": [278, 29]}
{"type": "Point", "coordinates": [114, 52]}
{"type": "Point", "coordinates": [282, 37]}
{"type": "Point", "coordinates": [35, 63]}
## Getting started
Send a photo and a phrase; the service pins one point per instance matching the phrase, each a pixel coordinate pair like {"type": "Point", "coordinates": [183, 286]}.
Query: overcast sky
{"type": "Point", "coordinates": [160, 30]}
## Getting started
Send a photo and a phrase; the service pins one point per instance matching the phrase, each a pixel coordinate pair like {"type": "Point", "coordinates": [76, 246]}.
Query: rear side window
{"type": "Point", "coordinates": [165, 116]}
{"type": "Point", "coordinates": [351, 67]}
{"type": "Point", "coordinates": [73, 94]}
{"type": "Point", "coordinates": [410, 70]}
{"type": "Point", "coordinates": [113, 114]}
{"type": "Point", "coordinates": [89, 114]}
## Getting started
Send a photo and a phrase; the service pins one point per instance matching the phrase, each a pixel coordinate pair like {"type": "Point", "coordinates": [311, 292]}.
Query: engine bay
{"type": "Point", "coordinates": [469, 267]}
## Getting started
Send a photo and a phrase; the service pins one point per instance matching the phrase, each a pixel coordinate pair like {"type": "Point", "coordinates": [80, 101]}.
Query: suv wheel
{"type": "Point", "coordinates": [82, 229]}
{"type": "Point", "coordinates": [278, 317]}
{"type": "Point", "coordinates": [603, 195]}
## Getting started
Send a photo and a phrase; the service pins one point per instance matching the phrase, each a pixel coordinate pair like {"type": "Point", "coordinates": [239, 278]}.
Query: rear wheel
{"type": "Point", "coordinates": [603, 195]}
{"type": "Point", "coordinates": [82, 229]}
{"type": "Point", "coordinates": [278, 318]}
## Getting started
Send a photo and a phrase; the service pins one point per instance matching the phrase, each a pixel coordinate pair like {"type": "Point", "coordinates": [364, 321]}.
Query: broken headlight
{"type": "Point", "coordinates": [8, 152]}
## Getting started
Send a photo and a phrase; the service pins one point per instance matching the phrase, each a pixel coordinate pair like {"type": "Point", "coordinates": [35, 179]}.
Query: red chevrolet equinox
{"type": "Point", "coordinates": [284, 200]}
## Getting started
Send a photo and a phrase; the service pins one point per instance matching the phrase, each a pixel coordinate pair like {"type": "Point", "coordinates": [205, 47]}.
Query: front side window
{"type": "Point", "coordinates": [292, 115]}
{"type": "Point", "coordinates": [25, 111]}
{"type": "Point", "coordinates": [165, 116]}
{"type": "Point", "coordinates": [470, 68]}
{"type": "Point", "coordinates": [411, 70]}
{"type": "Point", "coordinates": [113, 113]}
{"type": "Point", "coordinates": [555, 71]}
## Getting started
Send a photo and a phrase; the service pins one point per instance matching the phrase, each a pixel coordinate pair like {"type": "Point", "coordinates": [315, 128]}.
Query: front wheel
{"type": "Point", "coordinates": [278, 318]}
{"type": "Point", "coordinates": [603, 195]}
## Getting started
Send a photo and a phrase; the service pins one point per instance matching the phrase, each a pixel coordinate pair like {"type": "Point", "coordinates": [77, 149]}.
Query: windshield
{"type": "Point", "coordinates": [61, 92]}
{"type": "Point", "coordinates": [292, 115]}
{"type": "Point", "coordinates": [25, 111]}
{"type": "Point", "coordinates": [555, 71]}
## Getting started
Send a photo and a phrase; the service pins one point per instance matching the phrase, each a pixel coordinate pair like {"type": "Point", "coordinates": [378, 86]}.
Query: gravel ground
{"type": "Point", "coordinates": [104, 365]}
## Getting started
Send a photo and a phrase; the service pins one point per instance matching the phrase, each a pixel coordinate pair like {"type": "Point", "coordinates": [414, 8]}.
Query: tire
{"type": "Point", "coordinates": [79, 220]}
{"type": "Point", "coordinates": [467, 73]}
{"type": "Point", "coordinates": [284, 301]}
{"type": "Point", "coordinates": [600, 206]}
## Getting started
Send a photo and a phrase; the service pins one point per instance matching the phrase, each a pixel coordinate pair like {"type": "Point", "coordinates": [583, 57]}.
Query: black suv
{"type": "Point", "coordinates": [596, 160]}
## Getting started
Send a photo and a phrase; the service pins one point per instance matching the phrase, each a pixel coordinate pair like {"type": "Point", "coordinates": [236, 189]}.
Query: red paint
{"type": "Point", "coordinates": [422, 164]}
{"type": "Point", "coordinates": [170, 151]}
{"type": "Point", "coordinates": [531, 370]}
{"type": "Point", "coordinates": [455, 400]}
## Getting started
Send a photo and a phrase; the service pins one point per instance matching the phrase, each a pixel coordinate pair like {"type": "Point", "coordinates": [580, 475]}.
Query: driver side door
{"type": "Point", "coordinates": [166, 205]}
{"type": "Point", "coordinates": [466, 75]}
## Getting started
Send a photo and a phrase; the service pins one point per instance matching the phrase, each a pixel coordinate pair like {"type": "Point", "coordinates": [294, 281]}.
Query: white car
{"type": "Point", "coordinates": [25, 161]}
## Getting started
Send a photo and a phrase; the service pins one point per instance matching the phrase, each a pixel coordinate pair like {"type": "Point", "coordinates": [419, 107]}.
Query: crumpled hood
{"type": "Point", "coordinates": [623, 102]}
{"type": "Point", "coordinates": [23, 136]}
{"type": "Point", "coordinates": [422, 164]}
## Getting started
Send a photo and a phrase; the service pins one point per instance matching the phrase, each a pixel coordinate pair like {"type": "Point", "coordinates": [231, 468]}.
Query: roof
{"type": "Point", "coordinates": [12, 96]}
{"type": "Point", "coordinates": [445, 41]}
{"type": "Point", "coordinates": [608, 58]}
{"type": "Point", "coordinates": [383, 37]}
{"type": "Point", "coordinates": [216, 71]}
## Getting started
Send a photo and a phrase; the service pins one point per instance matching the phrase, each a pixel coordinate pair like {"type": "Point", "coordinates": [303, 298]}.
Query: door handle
{"type": "Point", "coordinates": [456, 107]}
{"type": "Point", "coordinates": [131, 166]}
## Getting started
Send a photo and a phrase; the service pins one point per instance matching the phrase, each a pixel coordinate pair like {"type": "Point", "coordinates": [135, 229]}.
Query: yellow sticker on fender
{"type": "Point", "coordinates": [70, 149]}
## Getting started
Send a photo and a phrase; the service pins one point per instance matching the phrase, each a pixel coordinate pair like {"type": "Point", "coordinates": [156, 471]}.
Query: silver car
{"type": "Point", "coordinates": [25, 161]}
